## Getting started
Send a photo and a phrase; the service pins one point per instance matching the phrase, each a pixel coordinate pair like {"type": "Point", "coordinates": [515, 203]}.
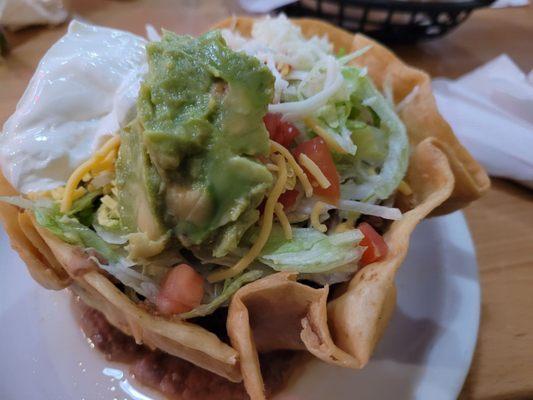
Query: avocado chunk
{"type": "Point", "coordinates": [139, 186]}
{"type": "Point", "coordinates": [230, 235]}
{"type": "Point", "coordinates": [201, 108]}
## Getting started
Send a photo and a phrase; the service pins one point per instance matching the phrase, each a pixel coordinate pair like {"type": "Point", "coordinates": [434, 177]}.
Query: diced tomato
{"type": "Point", "coordinates": [288, 198]}
{"type": "Point", "coordinates": [376, 248]}
{"type": "Point", "coordinates": [280, 131]}
{"type": "Point", "coordinates": [317, 150]}
{"type": "Point", "coordinates": [181, 291]}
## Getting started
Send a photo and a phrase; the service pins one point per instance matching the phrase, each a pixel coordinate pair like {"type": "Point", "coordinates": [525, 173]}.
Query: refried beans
{"type": "Point", "coordinates": [175, 378]}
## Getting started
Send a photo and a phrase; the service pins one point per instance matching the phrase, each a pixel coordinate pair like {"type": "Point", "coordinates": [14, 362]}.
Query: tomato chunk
{"type": "Point", "coordinates": [181, 291]}
{"type": "Point", "coordinates": [280, 131]}
{"type": "Point", "coordinates": [288, 198]}
{"type": "Point", "coordinates": [317, 150]}
{"type": "Point", "coordinates": [376, 248]}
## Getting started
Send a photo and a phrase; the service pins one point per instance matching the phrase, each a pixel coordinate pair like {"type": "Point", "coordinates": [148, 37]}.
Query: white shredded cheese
{"type": "Point", "coordinates": [315, 74]}
{"type": "Point", "coordinates": [151, 33]}
{"type": "Point", "coordinates": [407, 99]}
{"type": "Point", "coordinates": [370, 209]}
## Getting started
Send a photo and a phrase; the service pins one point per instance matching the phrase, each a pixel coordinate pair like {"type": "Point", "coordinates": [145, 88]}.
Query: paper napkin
{"type": "Point", "coordinates": [491, 111]}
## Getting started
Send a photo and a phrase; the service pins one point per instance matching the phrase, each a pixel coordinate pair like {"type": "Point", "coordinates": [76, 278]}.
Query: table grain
{"type": "Point", "coordinates": [501, 223]}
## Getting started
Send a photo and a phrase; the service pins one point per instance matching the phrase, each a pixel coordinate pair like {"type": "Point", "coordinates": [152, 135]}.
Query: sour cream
{"type": "Point", "coordinates": [84, 89]}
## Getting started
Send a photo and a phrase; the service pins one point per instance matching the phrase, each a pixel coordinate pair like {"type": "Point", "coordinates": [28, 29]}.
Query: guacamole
{"type": "Point", "coordinates": [200, 113]}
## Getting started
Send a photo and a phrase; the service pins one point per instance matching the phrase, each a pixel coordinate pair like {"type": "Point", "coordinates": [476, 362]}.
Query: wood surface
{"type": "Point", "coordinates": [501, 223]}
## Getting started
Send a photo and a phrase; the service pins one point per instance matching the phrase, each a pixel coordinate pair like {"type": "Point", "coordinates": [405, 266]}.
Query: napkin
{"type": "Point", "coordinates": [17, 14]}
{"type": "Point", "coordinates": [263, 6]}
{"type": "Point", "coordinates": [509, 3]}
{"type": "Point", "coordinates": [491, 111]}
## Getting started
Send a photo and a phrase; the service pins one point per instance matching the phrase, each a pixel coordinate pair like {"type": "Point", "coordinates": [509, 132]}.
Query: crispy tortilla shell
{"type": "Point", "coordinates": [26, 241]}
{"type": "Point", "coordinates": [277, 312]}
{"type": "Point", "coordinates": [182, 339]}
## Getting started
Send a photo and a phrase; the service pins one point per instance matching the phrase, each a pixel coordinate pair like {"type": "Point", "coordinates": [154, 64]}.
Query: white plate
{"type": "Point", "coordinates": [424, 354]}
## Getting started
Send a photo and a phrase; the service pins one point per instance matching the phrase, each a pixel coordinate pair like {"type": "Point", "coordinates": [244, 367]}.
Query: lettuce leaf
{"type": "Point", "coordinates": [230, 287]}
{"type": "Point", "coordinates": [72, 231]}
{"type": "Point", "coordinates": [17, 201]}
{"type": "Point", "coordinates": [84, 208]}
{"type": "Point", "coordinates": [85, 202]}
{"type": "Point", "coordinates": [380, 163]}
{"type": "Point", "coordinates": [310, 251]}
{"type": "Point", "coordinates": [124, 270]}
{"type": "Point", "coordinates": [337, 275]}
{"type": "Point", "coordinates": [73, 227]}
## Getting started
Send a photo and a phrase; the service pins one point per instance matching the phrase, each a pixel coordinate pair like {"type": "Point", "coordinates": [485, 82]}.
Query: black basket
{"type": "Point", "coordinates": [389, 21]}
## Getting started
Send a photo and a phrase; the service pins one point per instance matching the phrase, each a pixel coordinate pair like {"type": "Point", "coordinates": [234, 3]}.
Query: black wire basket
{"type": "Point", "coordinates": [391, 21]}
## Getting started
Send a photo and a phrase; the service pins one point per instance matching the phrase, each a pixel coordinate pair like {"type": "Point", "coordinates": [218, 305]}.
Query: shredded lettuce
{"type": "Point", "coordinates": [337, 275]}
{"type": "Point", "coordinates": [380, 163]}
{"type": "Point", "coordinates": [310, 251]}
{"type": "Point", "coordinates": [72, 231]}
{"type": "Point", "coordinates": [109, 236]}
{"type": "Point", "coordinates": [124, 270]}
{"type": "Point", "coordinates": [73, 227]}
{"type": "Point", "coordinates": [230, 287]}
{"type": "Point", "coordinates": [17, 201]}
{"type": "Point", "coordinates": [84, 203]}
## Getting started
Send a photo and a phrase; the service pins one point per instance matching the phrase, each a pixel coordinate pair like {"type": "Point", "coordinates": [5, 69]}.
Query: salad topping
{"type": "Point", "coordinates": [245, 156]}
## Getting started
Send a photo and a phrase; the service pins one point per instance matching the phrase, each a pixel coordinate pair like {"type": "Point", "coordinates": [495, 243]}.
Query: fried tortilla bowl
{"type": "Point", "coordinates": [277, 312]}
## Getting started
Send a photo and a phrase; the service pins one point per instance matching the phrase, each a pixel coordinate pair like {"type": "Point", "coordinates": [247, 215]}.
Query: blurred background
{"type": "Point", "coordinates": [480, 53]}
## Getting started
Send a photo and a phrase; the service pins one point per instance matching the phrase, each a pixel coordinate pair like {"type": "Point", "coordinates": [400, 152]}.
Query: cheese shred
{"type": "Point", "coordinates": [330, 142]}
{"type": "Point", "coordinates": [76, 177]}
{"type": "Point", "coordinates": [315, 217]}
{"type": "Point", "coordinates": [302, 177]}
{"type": "Point", "coordinates": [272, 167]}
{"type": "Point", "coordinates": [266, 227]}
{"type": "Point", "coordinates": [405, 189]}
{"type": "Point", "coordinates": [283, 220]}
{"type": "Point", "coordinates": [314, 170]}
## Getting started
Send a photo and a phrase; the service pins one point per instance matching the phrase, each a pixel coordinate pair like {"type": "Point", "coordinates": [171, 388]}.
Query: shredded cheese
{"type": "Point", "coordinates": [302, 177]}
{"type": "Point", "coordinates": [407, 99]}
{"type": "Point", "coordinates": [313, 169]}
{"type": "Point", "coordinates": [114, 189]}
{"type": "Point", "coordinates": [266, 227]}
{"type": "Point", "coordinates": [38, 195]}
{"type": "Point", "coordinates": [272, 167]}
{"type": "Point", "coordinates": [84, 168]}
{"type": "Point", "coordinates": [315, 217]}
{"type": "Point", "coordinates": [87, 177]}
{"type": "Point", "coordinates": [369, 209]}
{"type": "Point", "coordinates": [330, 142]}
{"type": "Point", "coordinates": [295, 217]}
{"type": "Point", "coordinates": [405, 189]}
{"type": "Point", "coordinates": [284, 69]}
{"type": "Point", "coordinates": [344, 227]}
{"type": "Point", "coordinates": [57, 193]}
{"type": "Point", "coordinates": [308, 106]}
{"type": "Point", "coordinates": [78, 193]}
{"type": "Point", "coordinates": [107, 164]}
{"type": "Point", "coordinates": [283, 220]}
{"type": "Point", "coordinates": [109, 202]}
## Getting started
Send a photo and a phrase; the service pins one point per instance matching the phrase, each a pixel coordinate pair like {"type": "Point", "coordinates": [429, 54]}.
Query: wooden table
{"type": "Point", "coordinates": [501, 222]}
